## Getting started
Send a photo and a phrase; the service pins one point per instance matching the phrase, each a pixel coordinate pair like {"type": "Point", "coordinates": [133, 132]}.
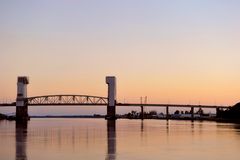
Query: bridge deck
{"type": "Point", "coordinates": [171, 105]}
{"type": "Point", "coordinates": [118, 104]}
{"type": "Point", "coordinates": [88, 100]}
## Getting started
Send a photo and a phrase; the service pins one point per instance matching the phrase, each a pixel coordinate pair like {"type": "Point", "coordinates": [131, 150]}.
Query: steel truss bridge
{"type": "Point", "coordinates": [87, 100]}
{"type": "Point", "coordinates": [62, 100]}
{"type": "Point", "coordinates": [66, 100]}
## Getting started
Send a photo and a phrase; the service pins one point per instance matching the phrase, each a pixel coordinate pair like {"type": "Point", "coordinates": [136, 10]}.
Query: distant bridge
{"type": "Point", "coordinates": [66, 100]}
{"type": "Point", "coordinates": [172, 105]}
{"type": "Point", "coordinates": [88, 100]}
{"type": "Point", "coordinates": [61, 100]}
{"type": "Point", "coordinates": [22, 101]}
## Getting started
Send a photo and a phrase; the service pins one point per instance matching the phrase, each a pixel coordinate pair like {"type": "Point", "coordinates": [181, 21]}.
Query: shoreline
{"type": "Point", "coordinates": [11, 118]}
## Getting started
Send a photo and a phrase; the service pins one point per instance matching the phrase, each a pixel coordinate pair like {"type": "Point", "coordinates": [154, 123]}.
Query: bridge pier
{"type": "Point", "coordinates": [111, 108]}
{"type": "Point", "coordinates": [217, 112]}
{"type": "Point", "coordinates": [167, 113]}
{"type": "Point", "coordinates": [192, 113]}
{"type": "Point", "coordinates": [21, 101]}
{"type": "Point", "coordinates": [142, 113]}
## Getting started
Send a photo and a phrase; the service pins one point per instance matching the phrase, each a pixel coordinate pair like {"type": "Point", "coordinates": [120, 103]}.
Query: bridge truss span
{"type": "Point", "coordinates": [67, 100]}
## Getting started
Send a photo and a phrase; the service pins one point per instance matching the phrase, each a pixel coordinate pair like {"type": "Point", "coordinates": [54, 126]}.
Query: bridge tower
{"type": "Point", "coordinates": [111, 108]}
{"type": "Point", "coordinates": [21, 101]}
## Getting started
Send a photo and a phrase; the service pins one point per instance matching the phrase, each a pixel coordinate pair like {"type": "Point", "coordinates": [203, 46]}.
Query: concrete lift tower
{"type": "Point", "coordinates": [21, 101]}
{"type": "Point", "coordinates": [111, 108]}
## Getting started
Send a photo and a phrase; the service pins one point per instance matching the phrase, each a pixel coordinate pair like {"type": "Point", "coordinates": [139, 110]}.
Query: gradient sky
{"type": "Point", "coordinates": [174, 51]}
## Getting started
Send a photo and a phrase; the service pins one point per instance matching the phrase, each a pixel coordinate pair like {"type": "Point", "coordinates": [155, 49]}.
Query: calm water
{"type": "Point", "coordinates": [126, 139]}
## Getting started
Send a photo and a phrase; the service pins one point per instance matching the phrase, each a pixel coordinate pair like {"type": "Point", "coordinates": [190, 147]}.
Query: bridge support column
{"type": "Point", "coordinates": [167, 113]}
{"type": "Point", "coordinates": [192, 113]}
{"type": "Point", "coordinates": [142, 113]}
{"type": "Point", "coordinates": [111, 108]}
{"type": "Point", "coordinates": [21, 101]}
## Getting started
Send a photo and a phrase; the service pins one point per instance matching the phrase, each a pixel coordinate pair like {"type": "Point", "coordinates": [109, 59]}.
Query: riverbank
{"type": "Point", "coordinates": [6, 117]}
{"type": "Point", "coordinates": [3, 116]}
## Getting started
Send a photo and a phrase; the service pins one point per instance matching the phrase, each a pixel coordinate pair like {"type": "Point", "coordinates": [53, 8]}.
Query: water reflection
{"type": "Point", "coordinates": [142, 126]}
{"type": "Point", "coordinates": [21, 140]}
{"type": "Point", "coordinates": [111, 140]}
{"type": "Point", "coordinates": [237, 127]}
{"type": "Point", "coordinates": [167, 127]}
{"type": "Point", "coordinates": [97, 139]}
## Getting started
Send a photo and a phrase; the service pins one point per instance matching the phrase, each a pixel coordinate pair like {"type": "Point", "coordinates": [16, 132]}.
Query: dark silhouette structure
{"type": "Point", "coordinates": [21, 101]}
{"type": "Point", "coordinates": [232, 113]}
{"type": "Point", "coordinates": [111, 106]}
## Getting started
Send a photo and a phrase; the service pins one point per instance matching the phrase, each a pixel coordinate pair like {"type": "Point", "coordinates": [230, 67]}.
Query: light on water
{"type": "Point", "coordinates": [57, 138]}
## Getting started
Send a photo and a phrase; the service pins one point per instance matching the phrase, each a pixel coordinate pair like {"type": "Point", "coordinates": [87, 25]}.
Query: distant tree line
{"type": "Point", "coordinates": [231, 113]}
{"type": "Point", "coordinates": [135, 114]}
{"type": "Point", "coordinates": [153, 114]}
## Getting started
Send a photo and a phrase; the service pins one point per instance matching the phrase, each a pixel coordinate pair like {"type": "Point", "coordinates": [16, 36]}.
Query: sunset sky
{"type": "Point", "coordinates": [174, 51]}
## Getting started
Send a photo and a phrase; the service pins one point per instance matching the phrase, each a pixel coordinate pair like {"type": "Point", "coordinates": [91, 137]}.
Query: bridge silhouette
{"type": "Point", "coordinates": [23, 101]}
{"type": "Point", "coordinates": [67, 100]}
{"type": "Point", "coordinates": [88, 100]}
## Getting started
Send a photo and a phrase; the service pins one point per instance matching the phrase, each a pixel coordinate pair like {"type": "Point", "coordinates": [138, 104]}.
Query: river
{"type": "Point", "coordinates": [72, 138]}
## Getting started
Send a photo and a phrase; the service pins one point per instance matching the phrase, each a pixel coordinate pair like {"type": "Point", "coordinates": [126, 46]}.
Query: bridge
{"type": "Point", "coordinates": [63, 100]}
{"type": "Point", "coordinates": [67, 100]}
{"type": "Point", "coordinates": [22, 101]}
